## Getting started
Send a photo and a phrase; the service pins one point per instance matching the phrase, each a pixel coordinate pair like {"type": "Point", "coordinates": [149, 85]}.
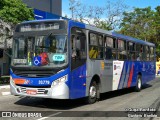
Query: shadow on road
{"type": "Point", "coordinates": [70, 104]}
{"type": "Point", "coordinates": [112, 94]}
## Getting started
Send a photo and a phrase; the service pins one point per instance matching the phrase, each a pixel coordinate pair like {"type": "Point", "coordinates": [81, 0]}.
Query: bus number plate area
{"type": "Point", "coordinates": [31, 92]}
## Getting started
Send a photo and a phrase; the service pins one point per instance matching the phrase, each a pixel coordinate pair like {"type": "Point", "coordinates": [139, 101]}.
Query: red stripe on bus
{"type": "Point", "coordinates": [130, 77]}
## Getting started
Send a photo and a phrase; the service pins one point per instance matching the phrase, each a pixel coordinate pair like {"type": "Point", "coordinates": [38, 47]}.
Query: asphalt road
{"type": "Point", "coordinates": [122, 100]}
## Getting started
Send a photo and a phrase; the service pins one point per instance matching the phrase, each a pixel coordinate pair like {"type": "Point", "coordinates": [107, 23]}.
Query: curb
{"type": "Point", "coordinates": [5, 87]}
{"type": "Point", "coordinates": [6, 93]}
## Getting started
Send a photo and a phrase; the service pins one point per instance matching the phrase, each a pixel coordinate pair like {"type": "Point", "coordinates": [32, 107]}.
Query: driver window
{"type": "Point", "coordinates": [78, 45]}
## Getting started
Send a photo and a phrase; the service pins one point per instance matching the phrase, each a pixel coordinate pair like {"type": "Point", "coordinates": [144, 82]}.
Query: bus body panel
{"type": "Point", "coordinates": [58, 92]}
{"type": "Point", "coordinates": [78, 82]}
{"type": "Point", "coordinates": [130, 71]}
{"type": "Point", "coordinates": [77, 76]}
{"type": "Point", "coordinates": [113, 74]}
{"type": "Point", "coordinates": [20, 85]}
{"type": "Point", "coordinates": [95, 68]}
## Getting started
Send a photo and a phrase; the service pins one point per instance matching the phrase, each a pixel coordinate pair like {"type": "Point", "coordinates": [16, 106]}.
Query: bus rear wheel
{"type": "Point", "coordinates": [92, 95]}
{"type": "Point", "coordinates": [139, 83]}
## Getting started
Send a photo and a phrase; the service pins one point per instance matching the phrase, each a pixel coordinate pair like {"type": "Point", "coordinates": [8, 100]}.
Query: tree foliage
{"type": "Point", "coordinates": [138, 23]}
{"type": "Point", "coordinates": [105, 17]}
{"type": "Point", "coordinates": [143, 23]}
{"type": "Point", "coordinates": [15, 11]}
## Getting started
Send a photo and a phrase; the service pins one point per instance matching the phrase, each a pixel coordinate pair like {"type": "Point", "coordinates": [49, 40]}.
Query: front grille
{"type": "Point", "coordinates": [48, 86]}
{"type": "Point", "coordinates": [33, 74]}
{"type": "Point", "coordinates": [39, 90]}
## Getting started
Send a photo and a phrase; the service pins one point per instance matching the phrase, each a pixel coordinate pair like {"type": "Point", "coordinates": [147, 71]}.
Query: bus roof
{"type": "Point", "coordinates": [42, 20]}
{"type": "Point", "coordinates": [128, 38]}
{"type": "Point", "coordinates": [89, 27]}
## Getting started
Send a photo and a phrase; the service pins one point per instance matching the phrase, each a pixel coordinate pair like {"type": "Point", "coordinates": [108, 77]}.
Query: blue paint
{"type": "Point", "coordinates": [147, 69]}
{"type": "Point", "coordinates": [122, 74]}
{"type": "Point", "coordinates": [77, 90]}
{"type": "Point", "coordinates": [58, 57]}
{"type": "Point", "coordinates": [78, 79]}
{"type": "Point", "coordinates": [39, 14]}
{"type": "Point", "coordinates": [128, 38]}
{"type": "Point", "coordinates": [76, 24]}
{"type": "Point", "coordinates": [37, 81]}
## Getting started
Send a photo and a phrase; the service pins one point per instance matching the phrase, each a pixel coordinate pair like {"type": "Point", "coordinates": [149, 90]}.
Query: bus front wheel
{"type": "Point", "coordinates": [92, 95]}
{"type": "Point", "coordinates": [139, 83]}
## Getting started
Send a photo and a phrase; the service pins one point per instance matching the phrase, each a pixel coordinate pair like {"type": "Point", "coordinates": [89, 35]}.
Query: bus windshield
{"type": "Point", "coordinates": [40, 51]}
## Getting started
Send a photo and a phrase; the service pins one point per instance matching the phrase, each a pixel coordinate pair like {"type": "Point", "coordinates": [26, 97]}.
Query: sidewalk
{"type": "Point", "coordinates": [4, 90]}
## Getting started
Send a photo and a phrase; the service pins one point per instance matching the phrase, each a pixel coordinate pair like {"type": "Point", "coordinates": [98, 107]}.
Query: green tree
{"type": "Point", "coordinates": [103, 25]}
{"type": "Point", "coordinates": [15, 11]}
{"type": "Point", "coordinates": [139, 23]}
{"type": "Point", "coordinates": [106, 17]}
{"type": "Point", "coordinates": [143, 23]}
{"type": "Point", "coordinates": [157, 26]}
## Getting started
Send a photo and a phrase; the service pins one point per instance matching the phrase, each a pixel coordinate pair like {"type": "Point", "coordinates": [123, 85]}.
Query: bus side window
{"type": "Point", "coordinates": [95, 45]}
{"type": "Point", "coordinates": [152, 53]}
{"type": "Point", "coordinates": [100, 46]}
{"type": "Point", "coordinates": [108, 53]}
{"type": "Point", "coordinates": [148, 53]}
{"type": "Point", "coordinates": [138, 52]}
{"type": "Point", "coordinates": [122, 54]}
{"type": "Point", "coordinates": [144, 52]}
{"type": "Point", "coordinates": [78, 47]}
{"type": "Point", "coordinates": [1, 53]}
{"type": "Point", "coordinates": [109, 48]}
{"type": "Point", "coordinates": [131, 51]}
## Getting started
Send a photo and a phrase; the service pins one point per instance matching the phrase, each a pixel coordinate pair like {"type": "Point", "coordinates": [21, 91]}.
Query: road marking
{"type": "Point", "coordinates": [49, 116]}
{"type": "Point", "coordinates": [4, 86]}
{"type": "Point", "coordinates": [6, 93]}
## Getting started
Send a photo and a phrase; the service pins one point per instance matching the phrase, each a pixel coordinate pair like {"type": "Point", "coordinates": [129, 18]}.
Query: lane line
{"type": "Point", "coordinates": [50, 116]}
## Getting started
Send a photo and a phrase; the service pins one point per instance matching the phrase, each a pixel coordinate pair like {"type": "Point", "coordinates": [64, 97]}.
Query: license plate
{"type": "Point", "coordinates": [31, 92]}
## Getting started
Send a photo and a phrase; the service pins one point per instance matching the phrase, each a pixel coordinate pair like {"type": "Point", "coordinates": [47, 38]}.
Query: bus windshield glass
{"type": "Point", "coordinates": [40, 51]}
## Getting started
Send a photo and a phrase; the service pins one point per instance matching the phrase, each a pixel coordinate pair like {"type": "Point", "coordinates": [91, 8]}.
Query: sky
{"type": "Point", "coordinates": [130, 3]}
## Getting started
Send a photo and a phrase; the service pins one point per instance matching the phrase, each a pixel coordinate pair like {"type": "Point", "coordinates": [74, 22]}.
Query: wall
{"type": "Point", "coordinates": [44, 5]}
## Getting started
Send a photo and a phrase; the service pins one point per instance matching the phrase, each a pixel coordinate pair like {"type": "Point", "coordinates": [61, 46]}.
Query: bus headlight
{"type": "Point", "coordinates": [60, 80]}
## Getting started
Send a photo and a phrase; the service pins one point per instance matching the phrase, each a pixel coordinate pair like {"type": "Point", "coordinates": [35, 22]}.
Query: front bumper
{"type": "Point", "coordinates": [57, 92]}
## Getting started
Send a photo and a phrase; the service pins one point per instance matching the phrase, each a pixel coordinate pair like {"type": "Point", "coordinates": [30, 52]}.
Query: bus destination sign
{"type": "Point", "coordinates": [40, 26]}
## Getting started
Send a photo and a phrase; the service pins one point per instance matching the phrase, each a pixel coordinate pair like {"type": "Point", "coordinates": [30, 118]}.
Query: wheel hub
{"type": "Point", "coordinates": [92, 92]}
{"type": "Point", "coordinates": [139, 83]}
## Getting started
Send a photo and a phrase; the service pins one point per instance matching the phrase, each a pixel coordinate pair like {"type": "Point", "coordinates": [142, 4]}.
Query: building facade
{"type": "Point", "coordinates": [51, 6]}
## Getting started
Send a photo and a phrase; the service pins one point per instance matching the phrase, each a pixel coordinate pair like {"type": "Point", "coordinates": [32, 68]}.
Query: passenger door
{"type": "Point", "coordinates": [78, 63]}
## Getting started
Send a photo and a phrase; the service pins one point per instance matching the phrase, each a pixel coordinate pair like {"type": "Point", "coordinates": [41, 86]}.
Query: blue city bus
{"type": "Point", "coordinates": [65, 59]}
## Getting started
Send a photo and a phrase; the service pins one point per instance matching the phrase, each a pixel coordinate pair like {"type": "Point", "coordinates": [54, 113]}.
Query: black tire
{"type": "Point", "coordinates": [92, 93]}
{"type": "Point", "coordinates": [138, 84]}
